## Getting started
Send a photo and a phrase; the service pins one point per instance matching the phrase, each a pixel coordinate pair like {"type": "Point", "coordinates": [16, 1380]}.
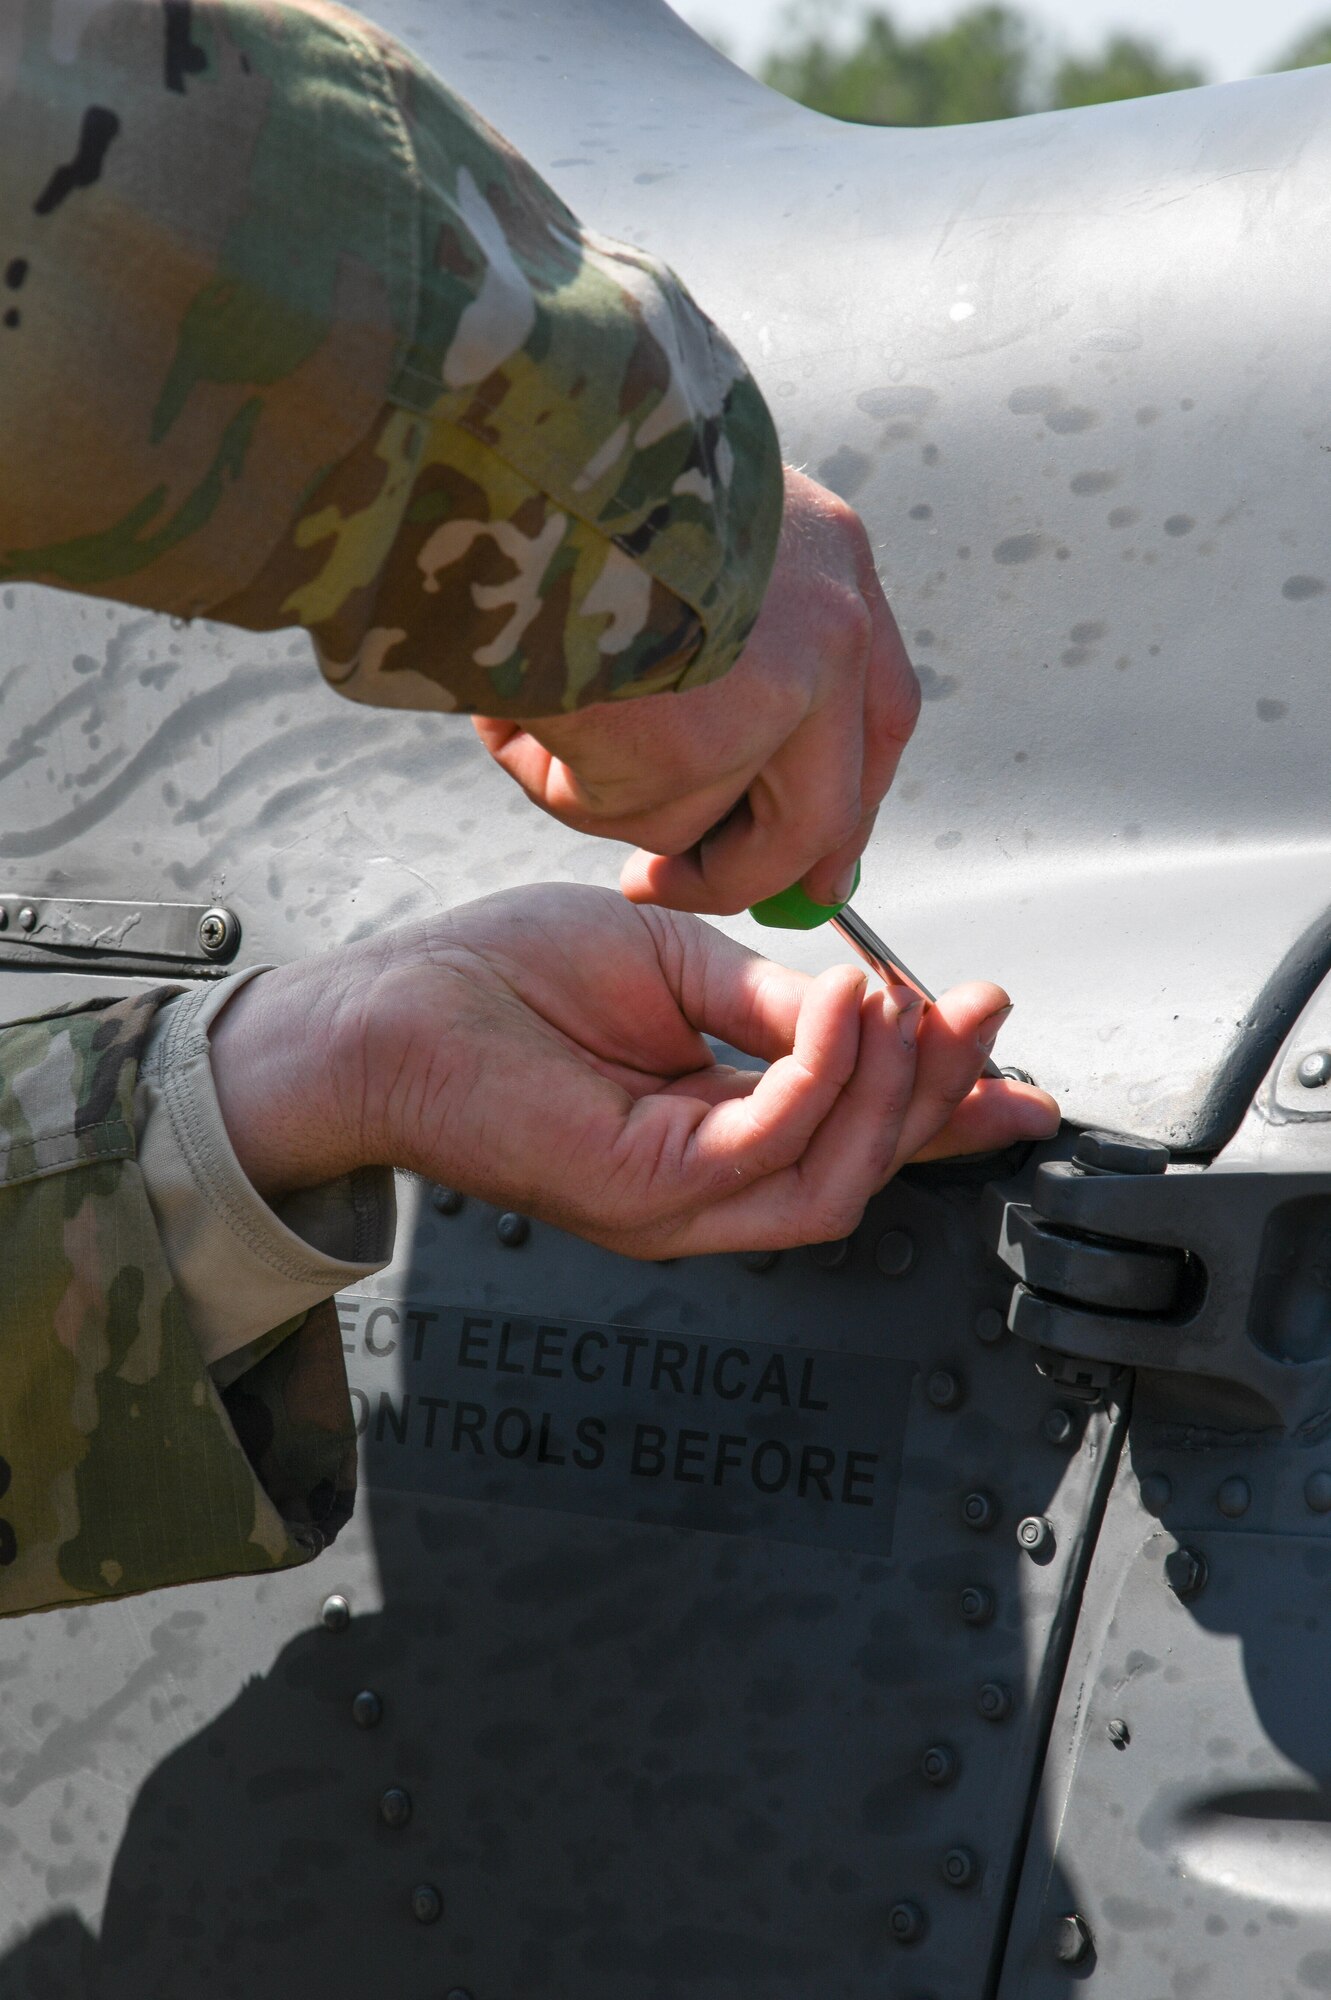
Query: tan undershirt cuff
{"type": "Point", "coordinates": [240, 1266]}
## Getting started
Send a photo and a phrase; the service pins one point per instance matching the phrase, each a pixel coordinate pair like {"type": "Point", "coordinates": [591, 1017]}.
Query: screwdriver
{"type": "Point", "coordinates": [795, 910]}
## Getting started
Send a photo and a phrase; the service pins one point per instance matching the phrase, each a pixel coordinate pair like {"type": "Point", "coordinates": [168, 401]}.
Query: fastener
{"type": "Point", "coordinates": [367, 1710]}
{"type": "Point", "coordinates": [512, 1230]}
{"type": "Point", "coordinates": [219, 933]}
{"type": "Point", "coordinates": [1233, 1497]}
{"type": "Point", "coordinates": [895, 1253]}
{"type": "Point", "coordinates": [395, 1806]}
{"type": "Point", "coordinates": [457, 1993]}
{"type": "Point", "coordinates": [943, 1389]}
{"type": "Point", "coordinates": [1072, 1939]}
{"type": "Point", "coordinates": [994, 1701]}
{"type": "Point", "coordinates": [1118, 1732]}
{"type": "Point", "coordinates": [1185, 1572]}
{"type": "Point", "coordinates": [27, 918]}
{"type": "Point", "coordinates": [1036, 1535]}
{"type": "Point", "coordinates": [907, 1922]}
{"type": "Point", "coordinates": [990, 1325]}
{"type": "Point", "coordinates": [1157, 1490]}
{"type": "Point", "coordinates": [938, 1766]}
{"type": "Point", "coordinates": [830, 1256]}
{"type": "Point", "coordinates": [446, 1200]}
{"type": "Point", "coordinates": [427, 1905]}
{"type": "Point", "coordinates": [979, 1510]}
{"type": "Point", "coordinates": [1317, 1492]}
{"type": "Point", "coordinates": [960, 1868]}
{"type": "Point", "coordinates": [1057, 1425]}
{"type": "Point", "coordinates": [336, 1613]}
{"type": "Point", "coordinates": [1315, 1070]}
{"type": "Point", "coordinates": [977, 1604]}
{"type": "Point", "coordinates": [759, 1260]}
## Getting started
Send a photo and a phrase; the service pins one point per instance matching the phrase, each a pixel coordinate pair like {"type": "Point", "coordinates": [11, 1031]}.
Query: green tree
{"type": "Point", "coordinates": [1311, 48]}
{"type": "Point", "coordinates": [980, 66]}
{"type": "Point", "coordinates": [1126, 66]}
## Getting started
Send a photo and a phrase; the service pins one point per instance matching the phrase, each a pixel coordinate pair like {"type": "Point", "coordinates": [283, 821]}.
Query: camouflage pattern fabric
{"type": "Point", "coordinates": [122, 1465]}
{"type": "Point", "coordinates": [290, 336]}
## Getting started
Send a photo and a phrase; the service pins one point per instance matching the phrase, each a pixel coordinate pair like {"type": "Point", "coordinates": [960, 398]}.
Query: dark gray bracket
{"type": "Point", "coordinates": [152, 939]}
{"type": "Point", "coordinates": [1210, 1272]}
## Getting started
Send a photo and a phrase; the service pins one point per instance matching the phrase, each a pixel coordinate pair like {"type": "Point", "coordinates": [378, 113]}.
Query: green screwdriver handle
{"type": "Point", "coordinates": [795, 910]}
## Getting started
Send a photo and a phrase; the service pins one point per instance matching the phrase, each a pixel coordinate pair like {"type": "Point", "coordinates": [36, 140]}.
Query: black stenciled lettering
{"type": "Point", "coordinates": [808, 1401]}
{"type": "Point", "coordinates": [183, 56]}
{"type": "Point", "coordinates": [729, 1456]}
{"type": "Point", "coordinates": [729, 1387]}
{"type": "Point", "coordinates": [98, 129]}
{"type": "Point", "coordinates": [348, 1313]}
{"type": "Point", "coordinates": [590, 1453]}
{"type": "Point", "coordinates": [855, 1477]}
{"type": "Point", "coordinates": [371, 1321]}
{"type": "Point", "coordinates": [585, 1340]}
{"type": "Point", "coordinates": [434, 1404]}
{"type": "Point", "coordinates": [549, 1347]}
{"type": "Point", "coordinates": [392, 1418]}
{"type": "Point", "coordinates": [418, 1322]}
{"type": "Point", "coordinates": [648, 1461]}
{"type": "Point", "coordinates": [780, 1456]}
{"type": "Point", "coordinates": [503, 1366]}
{"type": "Point", "coordinates": [700, 1368]}
{"type": "Point", "coordinates": [544, 1454]}
{"type": "Point", "coordinates": [471, 1337]}
{"type": "Point", "coordinates": [512, 1432]}
{"type": "Point", "coordinates": [669, 1359]}
{"type": "Point", "coordinates": [632, 1344]}
{"type": "Point", "coordinates": [816, 1466]}
{"type": "Point", "coordinates": [361, 1405]}
{"type": "Point", "coordinates": [469, 1423]}
{"type": "Point", "coordinates": [690, 1449]}
{"type": "Point", "coordinates": [772, 1382]}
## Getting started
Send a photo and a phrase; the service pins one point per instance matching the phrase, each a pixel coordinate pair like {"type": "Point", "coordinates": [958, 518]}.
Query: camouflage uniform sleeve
{"type": "Point", "coordinates": [124, 1465]}
{"type": "Point", "coordinates": [291, 337]}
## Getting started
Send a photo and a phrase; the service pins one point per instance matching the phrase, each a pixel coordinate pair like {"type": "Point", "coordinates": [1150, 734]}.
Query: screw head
{"type": "Point", "coordinates": [960, 1868]}
{"type": "Point", "coordinates": [367, 1710]}
{"type": "Point", "coordinates": [1315, 1070]}
{"type": "Point", "coordinates": [395, 1806]}
{"type": "Point", "coordinates": [907, 1922]}
{"type": "Point", "coordinates": [27, 918]}
{"type": "Point", "coordinates": [446, 1201]}
{"type": "Point", "coordinates": [1036, 1535]}
{"type": "Point", "coordinates": [219, 933]}
{"type": "Point", "coordinates": [979, 1510]}
{"type": "Point", "coordinates": [1233, 1497]}
{"type": "Point", "coordinates": [895, 1253]}
{"type": "Point", "coordinates": [427, 1905]}
{"type": "Point", "coordinates": [943, 1389]}
{"type": "Point", "coordinates": [994, 1701]}
{"type": "Point", "coordinates": [512, 1230]}
{"type": "Point", "coordinates": [938, 1766]}
{"type": "Point", "coordinates": [990, 1325]}
{"type": "Point", "coordinates": [759, 1260]}
{"type": "Point", "coordinates": [1057, 1425]}
{"type": "Point", "coordinates": [336, 1613]}
{"type": "Point", "coordinates": [1185, 1572]}
{"type": "Point", "coordinates": [977, 1604]}
{"type": "Point", "coordinates": [830, 1256]}
{"type": "Point", "coordinates": [1317, 1492]}
{"type": "Point", "coordinates": [1120, 1153]}
{"type": "Point", "coordinates": [1118, 1732]}
{"type": "Point", "coordinates": [1072, 1939]}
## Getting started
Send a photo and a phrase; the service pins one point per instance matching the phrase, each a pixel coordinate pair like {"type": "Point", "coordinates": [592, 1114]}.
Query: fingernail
{"type": "Point", "coordinates": [844, 886]}
{"type": "Point", "coordinates": [990, 1029]}
{"type": "Point", "coordinates": [910, 1012]}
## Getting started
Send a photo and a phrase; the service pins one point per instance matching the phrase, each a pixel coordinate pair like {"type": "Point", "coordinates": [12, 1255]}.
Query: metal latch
{"type": "Point", "coordinates": [1124, 1262]}
{"type": "Point", "coordinates": [144, 938]}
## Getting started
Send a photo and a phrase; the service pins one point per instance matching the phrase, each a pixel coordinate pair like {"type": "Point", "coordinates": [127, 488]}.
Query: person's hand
{"type": "Point", "coordinates": [543, 1050]}
{"type": "Point", "coordinates": [773, 774]}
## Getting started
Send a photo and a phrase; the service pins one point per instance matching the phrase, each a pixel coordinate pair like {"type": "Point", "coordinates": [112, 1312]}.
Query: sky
{"type": "Point", "coordinates": [1229, 37]}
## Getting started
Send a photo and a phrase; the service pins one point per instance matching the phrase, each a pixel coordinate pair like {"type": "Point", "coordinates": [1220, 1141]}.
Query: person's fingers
{"type": "Point", "coordinates": [957, 1037]}
{"type": "Point", "coordinates": [995, 1114]}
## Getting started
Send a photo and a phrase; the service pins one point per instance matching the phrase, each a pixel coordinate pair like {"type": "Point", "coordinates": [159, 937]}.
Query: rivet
{"type": "Point", "coordinates": [990, 1325]}
{"type": "Point", "coordinates": [907, 1922]}
{"type": "Point", "coordinates": [1072, 1939]}
{"type": "Point", "coordinates": [336, 1613]}
{"type": "Point", "coordinates": [427, 1905]}
{"type": "Point", "coordinates": [895, 1253]}
{"type": "Point", "coordinates": [27, 918]}
{"type": "Point", "coordinates": [1315, 1070]}
{"type": "Point", "coordinates": [1118, 1732]}
{"type": "Point", "coordinates": [1036, 1535]}
{"type": "Point", "coordinates": [395, 1806]}
{"type": "Point", "coordinates": [512, 1230]}
{"type": "Point", "coordinates": [367, 1710]}
{"type": "Point", "coordinates": [1317, 1492]}
{"type": "Point", "coordinates": [960, 1868]}
{"type": "Point", "coordinates": [830, 1256]}
{"type": "Point", "coordinates": [759, 1260]}
{"type": "Point", "coordinates": [938, 1766]}
{"type": "Point", "coordinates": [977, 1604]}
{"type": "Point", "coordinates": [457, 1993]}
{"type": "Point", "coordinates": [1233, 1497]}
{"type": "Point", "coordinates": [4, 918]}
{"type": "Point", "coordinates": [1157, 1490]}
{"type": "Point", "coordinates": [1185, 1572]}
{"type": "Point", "coordinates": [1057, 1425]}
{"type": "Point", "coordinates": [943, 1389]}
{"type": "Point", "coordinates": [994, 1701]}
{"type": "Point", "coordinates": [446, 1200]}
{"type": "Point", "coordinates": [979, 1510]}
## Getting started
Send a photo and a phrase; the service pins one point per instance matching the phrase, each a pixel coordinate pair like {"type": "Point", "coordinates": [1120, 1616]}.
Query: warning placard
{"type": "Point", "coordinates": [739, 1437]}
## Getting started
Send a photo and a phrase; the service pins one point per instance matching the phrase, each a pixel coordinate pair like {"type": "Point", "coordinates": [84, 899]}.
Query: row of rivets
{"type": "Point", "coordinates": [27, 918]}
{"type": "Point", "coordinates": [1233, 1495]}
